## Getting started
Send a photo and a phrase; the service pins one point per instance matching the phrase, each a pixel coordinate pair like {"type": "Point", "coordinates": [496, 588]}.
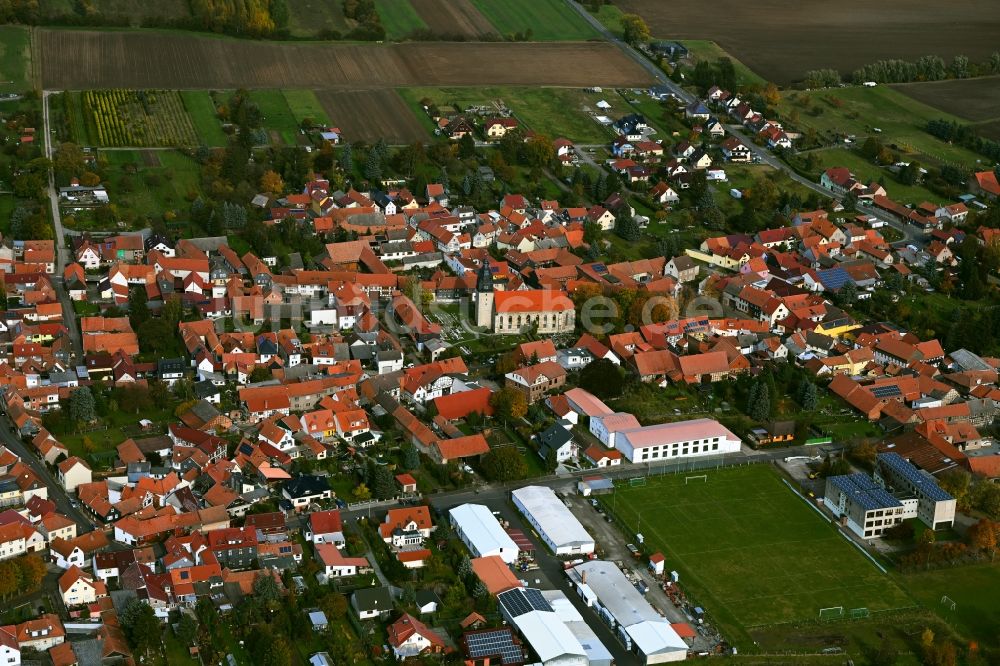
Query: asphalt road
{"type": "Point", "coordinates": [56, 492]}
{"type": "Point", "coordinates": [62, 253]}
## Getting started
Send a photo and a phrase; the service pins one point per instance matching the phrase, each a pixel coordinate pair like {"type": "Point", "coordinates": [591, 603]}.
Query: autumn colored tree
{"type": "Point", "coordinates": [983, 536]}
{"type": "Point", "coordinates": [272, 183]}
{"type": "Point", "coordinates": [509, 404]}
{"type": "Point", "coordinates": [10, 578]}
{"type": "Point", "coordinates": [32, 570]}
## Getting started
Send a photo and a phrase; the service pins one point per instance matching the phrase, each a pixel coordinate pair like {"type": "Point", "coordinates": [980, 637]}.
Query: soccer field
{"type": "Point", "coordinates": [749, 550]}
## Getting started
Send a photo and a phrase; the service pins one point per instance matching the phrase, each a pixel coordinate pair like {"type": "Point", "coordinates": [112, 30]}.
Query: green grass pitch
{"type": "Point", "coordinates": [749, 550]}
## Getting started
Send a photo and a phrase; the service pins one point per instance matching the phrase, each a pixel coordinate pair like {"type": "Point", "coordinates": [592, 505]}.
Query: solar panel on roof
{"type": "Point", "coordinates": [889, 391]}
{"type": "Point", "coordinates": [600, 268]}
{"type": "Point", "coordinates": [523, 600]}
{"type": "Point", "coordinates": [926, 485]}
{"type": "Point", "coordinates": [490, 643]}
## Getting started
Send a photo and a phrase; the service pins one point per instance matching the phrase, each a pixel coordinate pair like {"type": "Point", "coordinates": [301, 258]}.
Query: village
{"type": "Point", "coordinates": [687, 380]}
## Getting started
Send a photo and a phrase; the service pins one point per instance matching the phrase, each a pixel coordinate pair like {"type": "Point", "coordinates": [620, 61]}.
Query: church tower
{"type": "Point", "coordinates": [484, 297]}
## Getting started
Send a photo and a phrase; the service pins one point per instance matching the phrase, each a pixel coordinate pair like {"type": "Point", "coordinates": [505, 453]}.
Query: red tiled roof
{"type": "Point", "coordinates": [462, 447]}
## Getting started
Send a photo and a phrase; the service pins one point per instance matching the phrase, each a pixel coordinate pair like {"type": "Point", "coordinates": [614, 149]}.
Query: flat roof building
{"type": "Point", "coordinates": [683, 439]}
{"type": "Point", "coordinates": [604, 587]}
{"type": "Point", "coordinates": [899, 491]}
{"type": "Point", "coordinates": [862, 505]}
{"type": "Point", "coordinates": [479, 529]}
{"type": "Point", "coordinates": [559, 529]}
{"type": "Point", "coordinates": [935, 507]}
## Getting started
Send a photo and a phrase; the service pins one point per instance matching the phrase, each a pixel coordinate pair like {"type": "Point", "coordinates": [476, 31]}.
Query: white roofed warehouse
{"type": "Point", "coordinates": [479, 529]}
{"type": "Point", "coordinates": [559, 529]}
{"type": "Point", "coordinates": [604, 587]}
{"type": "Point", "coordinates": [684, 439]}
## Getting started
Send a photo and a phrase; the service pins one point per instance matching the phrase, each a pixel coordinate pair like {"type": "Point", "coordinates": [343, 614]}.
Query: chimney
{"type": "Point", "coordinates": [583, 578]}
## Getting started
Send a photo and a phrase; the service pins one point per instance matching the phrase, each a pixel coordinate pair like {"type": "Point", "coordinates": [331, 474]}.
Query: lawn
{"type": "Point", "coordinates": [900, 118]}
{"type": "Point", "coordinates": [278, 117]}
{"type": "Point", "coordinates": [307, 18]}
{"type": "Point", "coordinates": [866, 171]}
{"type": "Point", "coordinates": [555, 112]}
{"type": "Point", "coordinates": [704, 49]}
{"type": "Point", "coordinates": [201, 108]}
{"type": "Point", "coordinates": [751, 552]}
{"type": "Point", "coordinates": [976, 615]}
{"type": "Point", "coordinates": [154, 189]}
{"type": "Point", "coordinates": [547, 20]}
{"type": "Point", "coordinates": [399, 18]}
{"type": "Point", "coordinates": [303, 104]}
{"type": "Point", "coordinates": [14, 59]}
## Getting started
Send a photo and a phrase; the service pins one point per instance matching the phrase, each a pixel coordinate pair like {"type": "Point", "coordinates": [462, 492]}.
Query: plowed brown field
{"type": "Point", "coordinates": [370, 115]}
{"type": "Point", "coordinates": [453, 17]}
{"type": "Point", "coordinates": [76, 60]}
{"type": "Point", "coordinates": [782, 39]}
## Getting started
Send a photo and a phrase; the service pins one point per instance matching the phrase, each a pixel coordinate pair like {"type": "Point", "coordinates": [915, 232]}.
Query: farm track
{"type": "Point", "coordinates": [76, 60]}
{"type": "Point", "coordinates": [782, 40]}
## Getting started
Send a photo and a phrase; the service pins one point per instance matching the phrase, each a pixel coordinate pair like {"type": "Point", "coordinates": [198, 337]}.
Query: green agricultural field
{"type": "Point", "coordinates": [976, 615]}
{"type": "Point", "coordinates": [858, 111]}
{"type": "Point", "coordinates": [278, 117]}
{"type": "Point", "coordinates": [15, 75]}
{"type": "Point", "coordinates": [555, 112]}
{"type": "Point", "coordinates": [866, 171]}
{"type": "Point", "coordinates": [308, 18]}
{"type": "Point", "coordinates": [611, 17]}
{"type": "Point", "coordinates": [303, 104]}
{"type": "Point", "coordinates": [750, 551]}
{"type": "Point", "coordinates": [399, 18]}
{"type": "Point", "coordinates": [548, 20]}
{"type": "Point", "coordinates": [704, 49]}
{"type": "Point", "coordinates": [206, 121]}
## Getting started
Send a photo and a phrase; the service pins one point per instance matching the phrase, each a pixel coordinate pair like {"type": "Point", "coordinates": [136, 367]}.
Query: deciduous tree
{"type": "Point", "coordinates": [505, 464]}
{"type": "Point", "coordinates": [634, 29]}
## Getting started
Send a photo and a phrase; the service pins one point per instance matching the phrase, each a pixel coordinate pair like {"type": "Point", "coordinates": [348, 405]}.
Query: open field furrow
{"type": "Point", "coordinates": [782, 40]}
{"type": "Point", "coordinates": [76, 60]}
{"type": "Point", "coordinates": [972, 99]}
{"type": "Point", "coordinates": [370, 115]}
{"type": "Point", "coordinates": [453, 17]}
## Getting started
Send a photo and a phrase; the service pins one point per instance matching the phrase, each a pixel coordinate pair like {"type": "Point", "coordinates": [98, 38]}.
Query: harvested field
{"type": "Point", "coordinates": [453, 17]}
{"type": "Point", "coordinates": [990, 130]}
{"type": "Point", "coordinates": [782, 40]}
{"type": "Point", "coordinates": [370, 115]}
{"type": "Point", "coordinates": [74, 60]}
{"type": "Point", "coordinates": [972, 99]}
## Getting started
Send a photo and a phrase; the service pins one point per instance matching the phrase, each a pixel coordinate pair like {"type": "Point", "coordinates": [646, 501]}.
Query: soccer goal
{"type": "Point", "coordinates": [697, 477]}
{"type": "Point", "coordinates": [637, 481]}
{"type": "Point", "coordinates": [859, 613]}
{"type": "Point", "coordinates": [832, 613]}
{"type": "Point", "coordinates": [948, 602]}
